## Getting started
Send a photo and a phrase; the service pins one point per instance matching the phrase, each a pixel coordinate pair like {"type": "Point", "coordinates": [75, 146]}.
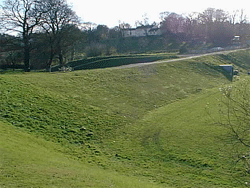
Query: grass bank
{"type": "Point", "coordinates": [147, 122]}
{"type": "Point", "coordinates": [114, 61]}
{"type": "Point", "coordinates": [30, 161]}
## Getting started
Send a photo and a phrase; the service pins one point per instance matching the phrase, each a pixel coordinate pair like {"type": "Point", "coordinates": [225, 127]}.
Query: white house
{"type": "Point", "coordinates": [142, 31]}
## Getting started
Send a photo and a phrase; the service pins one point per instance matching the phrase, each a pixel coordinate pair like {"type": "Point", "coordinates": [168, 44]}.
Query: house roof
{"type": "Point", "coordinates": [151, 27]}
{"type": "Point", "coordinates": [154, 29]}
{"type": "Point", "coordinates": [130, 29]}
{"type": "Point", "coordinates": [144, 26]}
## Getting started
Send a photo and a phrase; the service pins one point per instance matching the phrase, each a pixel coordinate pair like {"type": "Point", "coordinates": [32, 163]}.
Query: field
{"type": "Point", "coordinates": [149, 126]}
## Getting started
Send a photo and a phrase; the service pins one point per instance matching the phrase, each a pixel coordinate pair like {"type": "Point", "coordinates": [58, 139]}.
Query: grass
{"type": "Point", "coordinates": [181, 143]}
{"type": "Point", "coordinates": [240, 59]}
{"type": "Point", "coordinates": [146, 123]}
{"type": "Point", "coordinates": [113, 61]}
{"type": "Point", "coordinates": [30, 161]}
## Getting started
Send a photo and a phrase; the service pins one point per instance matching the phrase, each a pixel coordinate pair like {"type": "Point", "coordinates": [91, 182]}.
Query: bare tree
{"type": "Point", "coordinates": [243, 17]}
{"type": "Point", "coordinates": [233, 20]}
{"type": "Point", "coordinates": [58, 16]}
{"type": "Point", "coordinates": [174, 23]}
{"type": "Point", "coordinates": [216, 26]}
{"type": "Point", "coordinates": [192, 24]}
{"type": "Point", "coordinates": [235, 116]}
{"type": "Point", "coordinates": [221, 15]}
{"type": "Point", "coordinates": [21, 17]}
{"type": "Point", "coordinates": [145, 19]}
{"type": "Point", "coordinates": [88, 26]}
{"type": "Point", "coordinates": [123, 25]}
{"type": "Point", "coordinates": [164, 15]}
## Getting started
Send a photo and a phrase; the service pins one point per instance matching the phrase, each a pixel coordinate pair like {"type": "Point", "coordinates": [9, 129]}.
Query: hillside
{"type": "Point", "coordinates": [145, 123]}
{"type": "Point", "coordinates": [29, 161]}
{"type": "Point", "coordinates": [114, 61]}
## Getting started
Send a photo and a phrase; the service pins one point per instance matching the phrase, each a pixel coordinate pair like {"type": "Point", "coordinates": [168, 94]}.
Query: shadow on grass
{"type": "Point", "coordinates": [227, 74]}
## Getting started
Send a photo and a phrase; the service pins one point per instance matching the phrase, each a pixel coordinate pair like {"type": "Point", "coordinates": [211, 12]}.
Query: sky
{"type": "Point", "coordinates": [111, 12]}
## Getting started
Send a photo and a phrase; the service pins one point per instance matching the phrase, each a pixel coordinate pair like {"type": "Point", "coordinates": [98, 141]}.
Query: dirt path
{"type": "Point", "coordinates": [192, 56]}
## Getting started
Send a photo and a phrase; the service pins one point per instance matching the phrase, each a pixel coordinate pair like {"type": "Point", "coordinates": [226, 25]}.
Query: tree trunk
{"type": "Point", "coordinates": [49, 63]}
{"type": "Point", "coordinates": [60, 56]}
{"type": "Point", "coordinates": [72, 53]}
{"type": "Point", "coordinates": [26, 49]}
{"type": "Point", "coordinates": [26, 59]}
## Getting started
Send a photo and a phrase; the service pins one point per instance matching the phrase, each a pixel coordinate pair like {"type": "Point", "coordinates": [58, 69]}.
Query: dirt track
{"type": "Point", "coordinates": [191, 56]}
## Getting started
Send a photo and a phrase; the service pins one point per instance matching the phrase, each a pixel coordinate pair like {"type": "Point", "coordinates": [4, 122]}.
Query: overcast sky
{"type": "Point", "coordinates": [110, 12]}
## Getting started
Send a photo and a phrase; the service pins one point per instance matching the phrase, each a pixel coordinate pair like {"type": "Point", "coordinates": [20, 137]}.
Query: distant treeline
{"type": "Point", "coordinates": [50, 40]}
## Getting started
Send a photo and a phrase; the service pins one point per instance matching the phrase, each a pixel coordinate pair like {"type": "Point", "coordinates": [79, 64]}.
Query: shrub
{"type": "Point", "coordinates": [95, 50]}
{"type": "Point", "coordinates": [183, 50]}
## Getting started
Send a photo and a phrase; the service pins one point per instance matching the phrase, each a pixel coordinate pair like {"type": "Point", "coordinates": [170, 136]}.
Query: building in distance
{"type": "Point", "coordinates": [142, 31]}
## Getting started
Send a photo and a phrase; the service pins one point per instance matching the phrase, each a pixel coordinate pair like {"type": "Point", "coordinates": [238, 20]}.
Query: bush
{"type": "Point", "coordinates": [94, 50]}
{"type": "Point", "coordinates": [183, 50]}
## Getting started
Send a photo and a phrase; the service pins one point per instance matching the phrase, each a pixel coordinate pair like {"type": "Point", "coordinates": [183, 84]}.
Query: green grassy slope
{"type": "Point", "coordinates": [147, 122]}
{"type": "Point", "coordinates": [61, 105]}
{"type": "Point", "coordinates": [114, 61]}
{"type": "Point", "coordinates": [240, 59]}
{"type": "Point", "coordinates": [182, 144]}
{"type": "Point", "coordinates": [29, 161]}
